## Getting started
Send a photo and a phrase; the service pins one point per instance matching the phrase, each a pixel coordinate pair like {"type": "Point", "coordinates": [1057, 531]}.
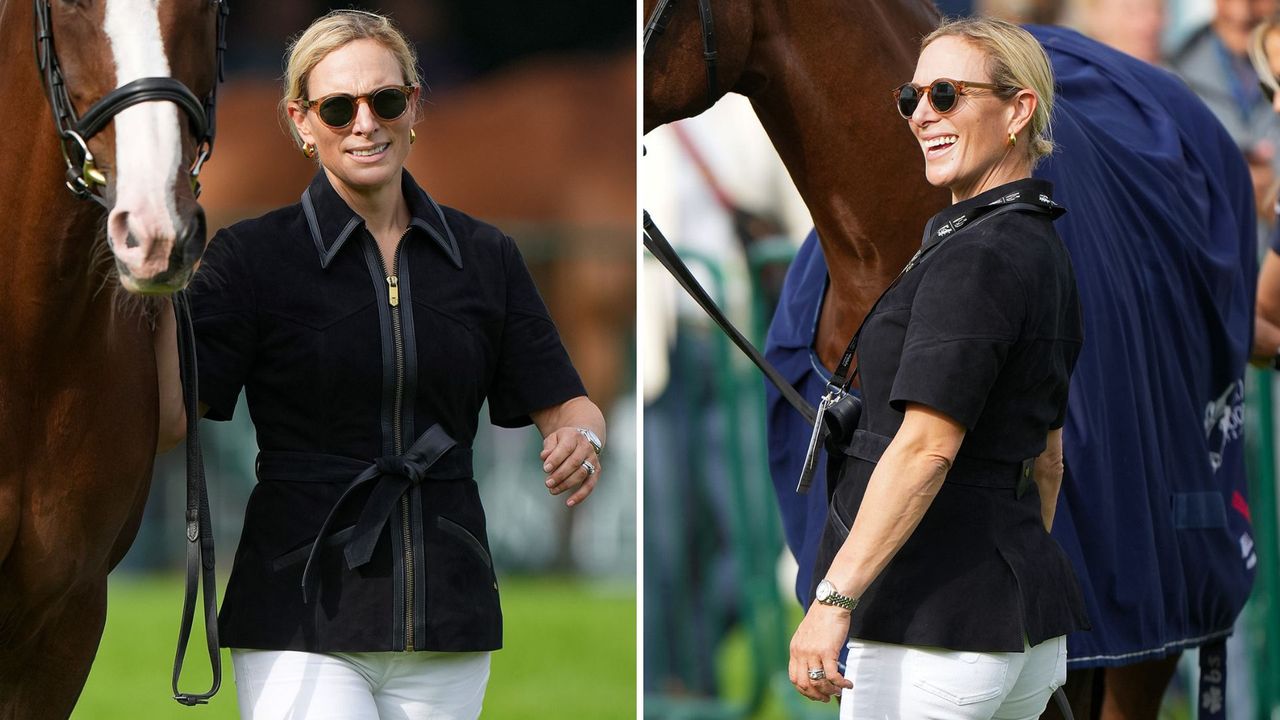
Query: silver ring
{"type": "Point", "coordinates": [817, 673]}
{"type": "Point", "coordinates": [591, 469]}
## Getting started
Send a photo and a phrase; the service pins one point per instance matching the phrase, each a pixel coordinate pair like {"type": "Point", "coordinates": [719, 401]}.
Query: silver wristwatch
{"type": "Point", "coordinates": [827, 595]}
{"type": "Point", "coordinates": [592, 438]}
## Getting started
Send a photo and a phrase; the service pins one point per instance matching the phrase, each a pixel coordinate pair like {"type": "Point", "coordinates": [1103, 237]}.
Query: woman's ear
{"type": "Point", "coordinates": [415, 104]}
{"type": "Point", "coordinates": [298, 115]}
{"type": "Point", "coordinates": [1024, 107]}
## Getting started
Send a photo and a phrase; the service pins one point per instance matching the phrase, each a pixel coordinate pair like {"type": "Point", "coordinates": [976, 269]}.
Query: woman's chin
{"type": "Point", "coordinates": [937, 177]}
{"type": "Point", "coordinates": [366, 177]}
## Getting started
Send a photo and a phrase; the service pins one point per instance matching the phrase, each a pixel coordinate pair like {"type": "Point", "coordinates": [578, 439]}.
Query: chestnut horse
{"type": "Point", "coordinates": [121, 98]}
{"type": "Point", "coordinates": [1166, 293]}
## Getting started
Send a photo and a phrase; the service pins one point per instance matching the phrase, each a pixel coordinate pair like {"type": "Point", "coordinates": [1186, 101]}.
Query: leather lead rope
{"type": "Point", "coordinates": [657, 244]}
{"type": "Point", "coordinates": [200, 559]}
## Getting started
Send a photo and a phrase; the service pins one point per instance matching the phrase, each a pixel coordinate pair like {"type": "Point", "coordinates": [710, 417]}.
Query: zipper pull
{"type": "Point", "coordinates": [393, 290]}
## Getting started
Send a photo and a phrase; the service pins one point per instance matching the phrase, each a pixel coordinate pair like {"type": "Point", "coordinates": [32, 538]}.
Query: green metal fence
{"type": "Point", "coordinates": [1264, 633]}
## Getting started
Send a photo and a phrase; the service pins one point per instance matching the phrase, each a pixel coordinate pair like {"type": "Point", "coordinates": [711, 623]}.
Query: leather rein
{"type": "Point", "coordinates": [82, 177]}
{"type": "Point", "coordinates": [657, 24]}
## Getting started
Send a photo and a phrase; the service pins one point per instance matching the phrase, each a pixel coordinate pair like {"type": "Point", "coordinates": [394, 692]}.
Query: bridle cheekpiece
{"type": "Point", "coordinates": [657, 24]}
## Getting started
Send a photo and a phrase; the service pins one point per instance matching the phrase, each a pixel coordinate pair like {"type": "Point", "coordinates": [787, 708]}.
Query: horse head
{"type": "Point", "coordinates": [131, 84]}
{"type": "Point", "coordinates": [695, 51]}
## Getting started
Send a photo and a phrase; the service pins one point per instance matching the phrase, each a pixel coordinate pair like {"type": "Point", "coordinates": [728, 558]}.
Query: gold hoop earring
{"type": "Point", "coordinates": [1013, 139]}
{"type": "Point", "coordinates": [413, 136]}
{"type": "Point", "coordinates": [309, 151]}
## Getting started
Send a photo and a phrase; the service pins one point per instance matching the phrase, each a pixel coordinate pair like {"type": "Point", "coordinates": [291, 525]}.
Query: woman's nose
{"type": "Point", "coordinates": [365, 122]}
{"type": "Point", "coordinates": [924, 112]}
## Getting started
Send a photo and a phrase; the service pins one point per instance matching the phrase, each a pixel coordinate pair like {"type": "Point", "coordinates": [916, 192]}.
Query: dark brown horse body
{"type": "Point", "coordinates": [78, 393]}
{"type": "Point", "coordinates": [818, 75]}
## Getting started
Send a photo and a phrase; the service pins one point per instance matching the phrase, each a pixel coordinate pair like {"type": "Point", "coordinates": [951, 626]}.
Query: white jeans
{"type": "Point", "coordinates": [288, 685]}
{"type": "Point", "coordinates": [902, 681]}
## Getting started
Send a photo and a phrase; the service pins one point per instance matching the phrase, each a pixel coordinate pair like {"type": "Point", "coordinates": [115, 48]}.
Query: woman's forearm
{"type": "Point", "coordinates": [173, 416]}
{"type": "Point", "coordinates": [901, 489]}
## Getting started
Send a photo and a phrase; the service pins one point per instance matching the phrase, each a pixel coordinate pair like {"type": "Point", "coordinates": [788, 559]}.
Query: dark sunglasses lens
{"type": "Point", "coordinates": [389, 103]}
{"type": "Point", "coordinates": [908, 99]}
{"type": "Point", "coordinates": [338, 111]}
{"type": "Point", "coordinates": [942, 96]}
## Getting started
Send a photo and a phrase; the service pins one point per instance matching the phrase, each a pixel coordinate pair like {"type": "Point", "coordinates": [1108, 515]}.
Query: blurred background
{"type": "Point", "coordinates": [719, 607]}
{"type": "Point", "coordinates": [529, 125]}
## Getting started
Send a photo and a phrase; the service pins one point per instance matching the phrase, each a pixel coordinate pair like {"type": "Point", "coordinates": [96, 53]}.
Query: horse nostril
{"type": "Point", "coordinates": [118, 229]}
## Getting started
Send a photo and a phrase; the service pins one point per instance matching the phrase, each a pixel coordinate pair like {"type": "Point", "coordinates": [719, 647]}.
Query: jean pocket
{"type": "Point", "coordinates": [960, 678]}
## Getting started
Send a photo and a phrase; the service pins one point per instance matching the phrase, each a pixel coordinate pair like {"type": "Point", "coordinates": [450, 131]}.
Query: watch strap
{"type": "Point", "coordinates": [835, 599]}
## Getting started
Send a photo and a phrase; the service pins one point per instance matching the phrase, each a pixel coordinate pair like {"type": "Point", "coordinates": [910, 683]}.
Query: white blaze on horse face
{"type": "Point", "coordinates": [144, 221]}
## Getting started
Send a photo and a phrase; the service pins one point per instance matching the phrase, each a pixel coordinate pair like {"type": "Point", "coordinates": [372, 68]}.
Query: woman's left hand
{"type": "Point", "coordinates": [816, 645]}
{"type": "Point", "coordinates": [570, 462]}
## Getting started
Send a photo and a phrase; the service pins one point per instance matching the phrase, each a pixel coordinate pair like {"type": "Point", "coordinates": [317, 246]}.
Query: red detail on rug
{"type": "Point", "coordinates": [1241, 505]}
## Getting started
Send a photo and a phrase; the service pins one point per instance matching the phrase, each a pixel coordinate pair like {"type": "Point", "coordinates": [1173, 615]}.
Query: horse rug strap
{"type": "Point", "coordinates": [200, 558]}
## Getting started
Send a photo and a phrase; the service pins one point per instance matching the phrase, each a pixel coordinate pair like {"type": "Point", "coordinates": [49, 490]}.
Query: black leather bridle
{"type": "Point", "coordinates": [82, 173]}
{"type": "Point", "coordinates": [657, 23]}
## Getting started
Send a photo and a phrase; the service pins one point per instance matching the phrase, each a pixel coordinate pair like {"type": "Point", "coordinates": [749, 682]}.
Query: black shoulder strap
{"type": "Point", "coordinates": [842, 377]}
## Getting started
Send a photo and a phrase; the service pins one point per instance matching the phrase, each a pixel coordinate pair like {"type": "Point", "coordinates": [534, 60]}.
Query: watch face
{"type": "Point", "coordinates": [825, 588]}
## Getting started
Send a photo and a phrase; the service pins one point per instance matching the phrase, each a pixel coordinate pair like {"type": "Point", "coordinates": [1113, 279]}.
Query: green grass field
{"type": "Point", "coordinates": [570, 645]}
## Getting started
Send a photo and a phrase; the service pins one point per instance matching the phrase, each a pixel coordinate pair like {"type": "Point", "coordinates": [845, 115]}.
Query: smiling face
{"type": "Point", "coordinates": [967, 150]}
{"type": "Point", "coordinates": [367, 155]}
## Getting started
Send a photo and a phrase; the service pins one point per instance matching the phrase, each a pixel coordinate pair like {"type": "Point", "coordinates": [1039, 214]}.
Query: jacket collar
{"type": "Point", "coordinates": [332, 222]}
{"type": "Point", "coordinates": [1028, 190]}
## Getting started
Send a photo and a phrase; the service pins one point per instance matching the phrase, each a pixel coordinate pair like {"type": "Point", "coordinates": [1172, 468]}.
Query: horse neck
{"type": "Point", "coordinates": [48, 276]}
{"type": "Point", "coordinates": [819, 77]}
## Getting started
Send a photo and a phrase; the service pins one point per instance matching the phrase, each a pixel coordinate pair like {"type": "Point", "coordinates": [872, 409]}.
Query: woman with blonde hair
{"type": "Point", "coordinates": [940, 573]}
{"type": "Point", "coordinates": [367, 325]}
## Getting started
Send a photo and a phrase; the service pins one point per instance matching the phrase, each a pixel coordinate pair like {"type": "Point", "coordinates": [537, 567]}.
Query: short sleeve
{"type": "Point", "coordinates": [965, 316]}
{"type": "Point", "coordinates": [533, 369]}
{"type": "Point", "coordinates": [223, 313]}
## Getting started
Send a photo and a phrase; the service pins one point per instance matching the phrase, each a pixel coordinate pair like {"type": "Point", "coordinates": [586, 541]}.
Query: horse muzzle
{"type": "Point", "coordinates": [151, 264]}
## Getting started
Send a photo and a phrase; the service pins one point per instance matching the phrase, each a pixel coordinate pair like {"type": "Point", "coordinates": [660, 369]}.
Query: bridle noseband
{"type": "Point", "coordinates": [661, 17]}
{"type": "Point", "coordinates": [82, 172]}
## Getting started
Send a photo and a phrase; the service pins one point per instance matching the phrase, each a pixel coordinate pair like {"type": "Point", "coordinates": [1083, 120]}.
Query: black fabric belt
{"type": "Point", "coordinates": [966, 470]}
{"type": "Point", "coordinates": [433, 456]}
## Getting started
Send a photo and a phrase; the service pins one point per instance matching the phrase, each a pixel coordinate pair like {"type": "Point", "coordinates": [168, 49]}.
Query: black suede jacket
{"type": "Point", "coordinates": [365, 384]}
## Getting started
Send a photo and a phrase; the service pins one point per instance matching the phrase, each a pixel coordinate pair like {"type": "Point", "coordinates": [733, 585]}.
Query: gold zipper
{"type": "Point", "coordinates": [397, 334]}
